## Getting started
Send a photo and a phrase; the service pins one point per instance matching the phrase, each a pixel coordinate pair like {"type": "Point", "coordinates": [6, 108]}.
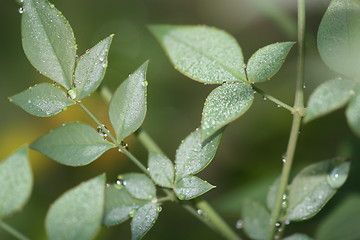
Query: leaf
{"type": "Point", "coordinates": [73, 144]}
{"type": "Point", "coordinates": [139, 185]}
{"type": "Point", "coordinates": [224, 105]}
{"type": "Point", "coordinates": [161, 170]}
{"type": "Point", "coordinates": [343, 222]}
{"type": "Point", "coordinates": [42, 100]}
{"type": "Point", "coordinates": [256, 219]}
{"type": "Point", "coordinates": [314, 186]}
{"type": "Point", "coordinates": [328, 97]}
{"type": "Point", "coordinates": [119, 205]}
{"type": "Point", "coordinates": [298, 236]}
{"type": "Point", "coordinates": [127, 107]}
{"type": "Point", "coordinates": [191, 187]}
{"type": "Point", "coordinates": [91, 68]}
{"type": "Point", "coordinates": [48, 41]}
{"type": "Point", "coordinates": [353, 114]}
{"type": "Point", "coordinates": [267, 61]}
{"type": "Point", "coordinates": [339, 36]}
{"type": "Point", "coordinates": [193, 155]}
{"type": "Point", "coordinates": [77, 214]}
{"type": "Point", "coordinates": [143, 220]}
{"type": "Point", "coordinates": [272, 194]}
{"type": "Point", "coordinates": [16, 182]}
{"type": "Point", "coordinates": [205, 54]}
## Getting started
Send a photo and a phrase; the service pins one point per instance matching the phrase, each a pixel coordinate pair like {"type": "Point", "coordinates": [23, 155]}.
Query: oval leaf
{"type": "Point", "coordinates": [224, 105]}
{"type": "Point", "coordinates": [43, 100]}
{"type": "Point", "coordinates": [328, 97]}
{"type": "Point", "coordinates": [143, 220]}
{"type": "Point", "coordinates": [339, 37]}
{"type": "Point", "coordinates": [16, 182]}
{"type": "Point", "coordinates": [267, 61]}
{"type": "Point", "coordinates": [48, 41]}
{"type": "Point", "coordinates": [127, 107]}
{"type": "Point", "coordinates": [77, 214]}
{"type": "Point", "coordinates": [298, 236]}
{"type": "Point", "coordinates": [205, 54]}
{"type": "Point", "coordinates": [161, 170]}
{"type": "Point", "coordinates": [73, 144]}
{"type": "Point", "coordinates": [353, 114]}
{"type": "Point", "coordinates": [139, 185]}
{"type": "Point", "coordinates": [191, 187]}
{"type": "Point", "coordinates": [193, 155]}
{"type": "Point", "coordinates": [313, 187]}
{"type": "Point", "coordinates": [343, 222]}
{"type": "Point", "coordinates": [272, 194]}
{"type": "Point", "coordinates": [119, 205]}
{"type": "Point", "coordinates": [256, 219]}
{"type": "Point", "coordinates": [91, 68]}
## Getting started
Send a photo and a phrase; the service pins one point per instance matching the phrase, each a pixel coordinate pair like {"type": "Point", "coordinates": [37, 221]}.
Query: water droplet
{"type": "Point", "coordinates": [254, 92]}
{"type": "Point", "coordinates": [239, 224]}
{"type": "Point", "coordinates": [284, 196]}
{"type": "Point", "coordinates": [145, 83]}
{"type": "Point", "coordinates": [102, 131]}
{"type": "Point", "coordinates": [51, 5]}
{"type": "Point", "coordinates": [264, 98]}
{"type": "Point", "coordinates": [87, 50]}
{"type": "Point", "coordinates": [132, 213]}
{"type": "Point", "coordinates": [278, 105]}
{"type": "Point", "coordinates": [125, 145]}
{"type": "Point", "coordinates": [304, 86]}
{"type": "Point", "coordinates": [277, 224]}
{"type": "Point", "coordinates": [158, 209]}
{"type": "Point", "coordinates": [287, 222]}
{"type": "Point", "coordinates": [29, 101]}
{"type": "Point", "coordinates": [201, 213]}
{"type": "Point", "coordinates": [21, 10]}
{"type": "Point", "coordinates": [72, 94]}
{"type": "Point", "coordinates": [338, 175]}
{"type": "Point", "coordinates": [283, 160]}
{"type": "Point", "coordinates": [101, 58]}
{"type": "Point", "coordinates": [284, 204]}
{"type": "Point", "coordinates": [181, 196]}
{"type": "Point", "coordinates": [104, 65]}
{"type": "Point", "coordinates": [244, 66]}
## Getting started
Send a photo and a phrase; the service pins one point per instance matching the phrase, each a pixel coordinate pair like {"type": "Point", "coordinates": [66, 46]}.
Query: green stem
{"type": "Point", "coordinates": [203, 218]}
{"type": "Point", "coordinates": [298, 113]}
{"type": "Point", "coordinates": [273, 99]}
{"type": "Point", "coordinates": [12, 231]}
{"type": "Point", "coordinates": [147, 141]}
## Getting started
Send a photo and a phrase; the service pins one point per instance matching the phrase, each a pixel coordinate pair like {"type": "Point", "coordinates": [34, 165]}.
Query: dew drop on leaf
{"type": "Point", "coordinates": [158, 209]}
{"type": "Point", "coordinates": [21, 10]}
{"type": "Point", "coordinates": [132, 213]}
{"type": "Point", "coordinates": [338, 175]}
{"type": "Point", "coordinates": [239, 224]}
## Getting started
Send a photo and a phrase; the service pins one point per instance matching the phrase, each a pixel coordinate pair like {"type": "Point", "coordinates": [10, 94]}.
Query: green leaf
{"type": "Point", "coordinates": [298, 236]}
{"type": "Point", "coordinates": [161, 170]}
{"type": "Point", "coordinates": [267, 61]}
{"type": "Point", "coordinates": [224, 105]}
{"type": "Point", "coordinates": [193, 155]}
{"type": "Point", "coordinates": [205, 54]}
{"type": "Point", "coordinates": [272, 194]}
{"type": "Point", "coordinates": [16, 182]}
{"type": "Point", "coordinates": [314, 186]}
{"type": "Point", "coordinates": [73, 144]}
{"type": "Point", "coordinates": [48, 41]}
{"type": "Point", "coordinates": [191, 187]}
{"type": "Point", "coordinates": [91, 68]}
{"type": "Point", "coordinates": [138, 185]}
{"type": "Point", "coordinates": [328, 97]}
{"type": "Point", "coordinates": [339, 37]}
{"type": "Point", "coordinates": [77, 214]}
{"type": "Point", "coordinates": [256, 219]}
{"type": "Point", "coordinates": [42, 100]}
{"type": "Point", "coordinates": [343, 222]}
{"type": "Point", "coordinates": [353, 114]}
{"type": "Point", "coordinates": [119, 205]}
{"type": "Point", "coordinates": [127, 107]}
{"type": "Point", "coordinates": [143, 220]}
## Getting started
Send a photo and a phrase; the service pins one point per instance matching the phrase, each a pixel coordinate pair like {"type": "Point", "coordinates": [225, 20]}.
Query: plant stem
{"type": "Point", "coordinates": [147, 141]}
{"type": "Point", "coordinates": [12, 231]}
{"type": "Point", "coordinates": [273, 99]}
{"type": "Point", "coordinates": [295, 127]}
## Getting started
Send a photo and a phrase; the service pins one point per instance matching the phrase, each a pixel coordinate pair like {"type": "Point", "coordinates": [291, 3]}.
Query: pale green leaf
{"type": "Point", "coordinates": [143, 220]}
{"type": "Point", "coordinates": [314, 186]}
{"type": "Point", "coordinates": [298, 236]}
{"type": "Point", "coordinates": [328, 97]}
{"type": "Point", "coordinates": [343, 222]}
{"type": "Point", "coordinates": [48, 41]}
{"type": "Point", "coordinates": [193, 155]}
{"type": "Point", "coordinates": [42, 100]}
{"type": "Point", "coordinates": [73, 144]}
{"type": "Point", "coordinates": [16, 182]}
{"type": "Point", "coordinates": [119, 205]}
{"type": "Point", "coordinates": [272, 194]}
{"type": "Point", "coordinates": [191, 187]}
{"type": "Point", "coordinates": [224, 105]}
{"type": "Point", "coordinates": [138, 185]}
{"type": "Point", "coordinates": [161, 170]}
{"type": "Point", "coordinates": [90, 70]}
{"type": "Point", "coordinates": [127, 107]}
{"type": "Point", "coordinates": [353, 114]}
{"type": "Point", "coordinates": [205, 54]}
{"type": "Point", "coordinates": [339, 37]}
{"type": "Point", "coordinates": [256, 219]}
{"type": "Point", "coordinates": [267, 61]}
{"type": "Point", "coordinates": [77, 214]}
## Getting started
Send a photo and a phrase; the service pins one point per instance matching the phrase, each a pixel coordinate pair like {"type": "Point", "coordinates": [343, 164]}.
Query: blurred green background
{"type": "Point", "coordinates": [249, 157]}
